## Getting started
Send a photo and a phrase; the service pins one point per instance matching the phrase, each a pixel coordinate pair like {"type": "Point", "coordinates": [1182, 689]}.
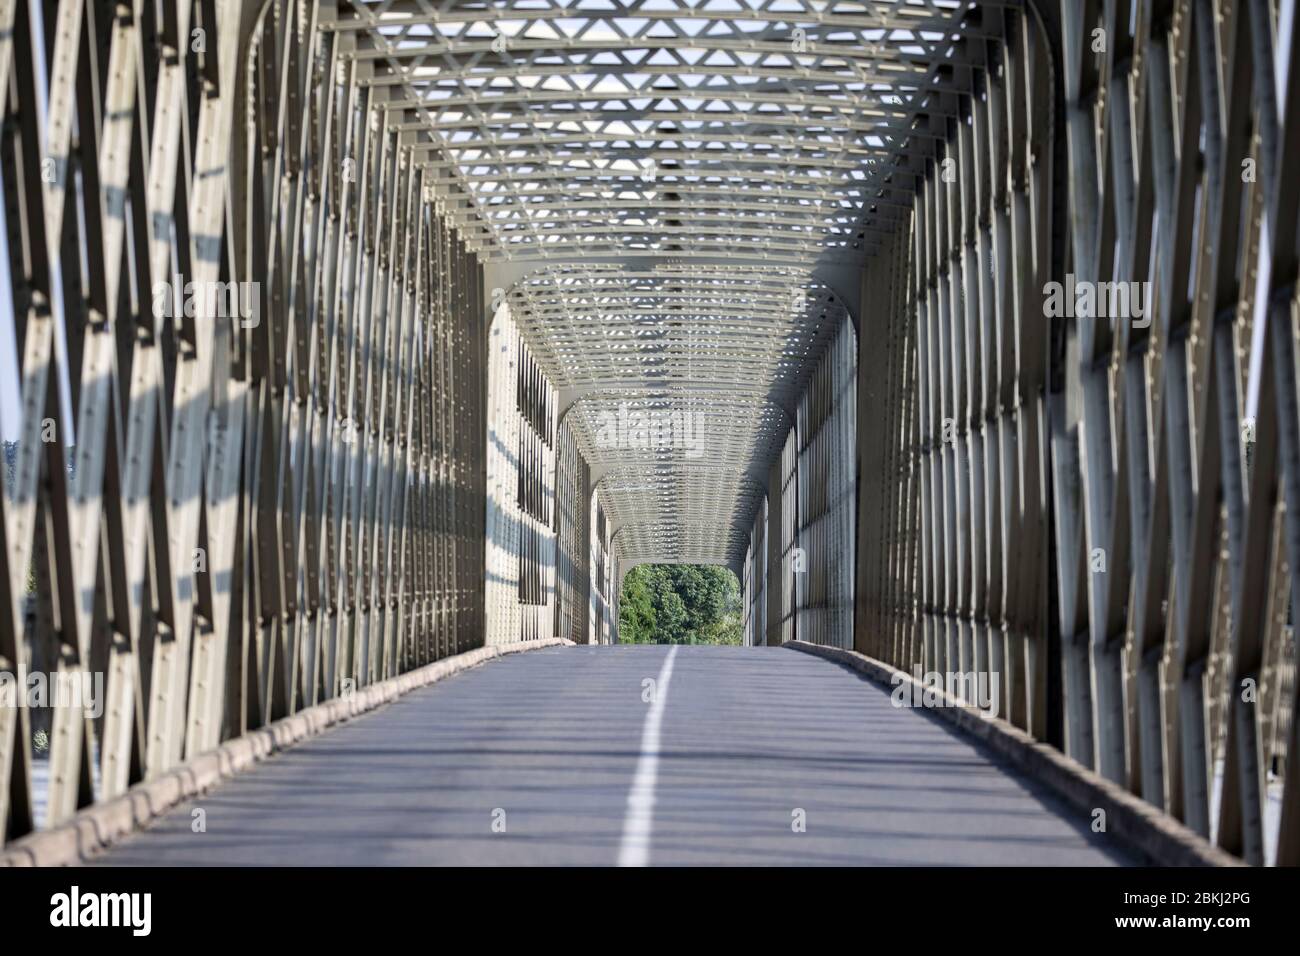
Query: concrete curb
{"type": "Point", "coordinates": [97, 827]}
{"type": "Point", "coordinates": [1130, 821]}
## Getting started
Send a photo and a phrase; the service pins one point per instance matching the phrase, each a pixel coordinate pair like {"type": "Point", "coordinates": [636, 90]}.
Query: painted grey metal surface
{"type": "Point", "coordinates": [1092, 498]}
{"type": "Point", "coordinates": [275, 496]}
{"type": "Point", "coordinates": [674, 202]}
{"type": "Point", "coordinates": [681, 209]}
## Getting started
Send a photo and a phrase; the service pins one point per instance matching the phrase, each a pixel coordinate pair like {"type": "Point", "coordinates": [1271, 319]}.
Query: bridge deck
{"type": "Point", "coordinates": [553, 739]}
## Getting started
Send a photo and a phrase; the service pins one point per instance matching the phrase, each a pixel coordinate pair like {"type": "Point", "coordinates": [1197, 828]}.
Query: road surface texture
{"type": "Point", "coordinates": [548, 757]}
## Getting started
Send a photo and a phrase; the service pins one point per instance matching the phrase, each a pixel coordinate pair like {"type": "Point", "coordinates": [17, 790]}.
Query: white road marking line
{"type": "Point", "coordinates": [637, 825]}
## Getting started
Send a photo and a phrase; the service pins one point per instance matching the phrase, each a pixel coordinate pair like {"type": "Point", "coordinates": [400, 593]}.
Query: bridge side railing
{"type": "Point", "coordinates": [248, 472]}
{"type": "Point", "coordinates": [1087, 481]}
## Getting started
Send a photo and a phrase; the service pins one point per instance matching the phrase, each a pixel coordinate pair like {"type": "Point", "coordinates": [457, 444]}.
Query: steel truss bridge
{"type": "Point", "coordinates": [352, 342]}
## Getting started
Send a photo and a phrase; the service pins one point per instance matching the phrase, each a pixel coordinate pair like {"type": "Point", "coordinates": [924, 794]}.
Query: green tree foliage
{"type": "Point", "coordinates": [679, 604]}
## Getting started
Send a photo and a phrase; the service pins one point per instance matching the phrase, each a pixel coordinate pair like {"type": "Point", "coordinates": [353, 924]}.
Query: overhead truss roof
{"type": "Point", "coordinates": [665, 182]}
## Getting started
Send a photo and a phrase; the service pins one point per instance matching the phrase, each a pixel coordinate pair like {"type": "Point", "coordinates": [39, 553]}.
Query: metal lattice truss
{"type": "Point", "coordinates": [659, 186]}
{"type": "Point", "coordinates": [690, 513]}
{"type": "Point", "coordinates": [684, 377]}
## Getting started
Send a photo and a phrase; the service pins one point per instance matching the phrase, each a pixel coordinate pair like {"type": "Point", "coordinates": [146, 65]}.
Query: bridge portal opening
{"type": "Point", "coordinates": [680, 604]}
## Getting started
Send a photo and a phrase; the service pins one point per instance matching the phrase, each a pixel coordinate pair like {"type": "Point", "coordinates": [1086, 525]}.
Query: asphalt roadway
{"type": "Point", "coordinates": [568, 756]}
